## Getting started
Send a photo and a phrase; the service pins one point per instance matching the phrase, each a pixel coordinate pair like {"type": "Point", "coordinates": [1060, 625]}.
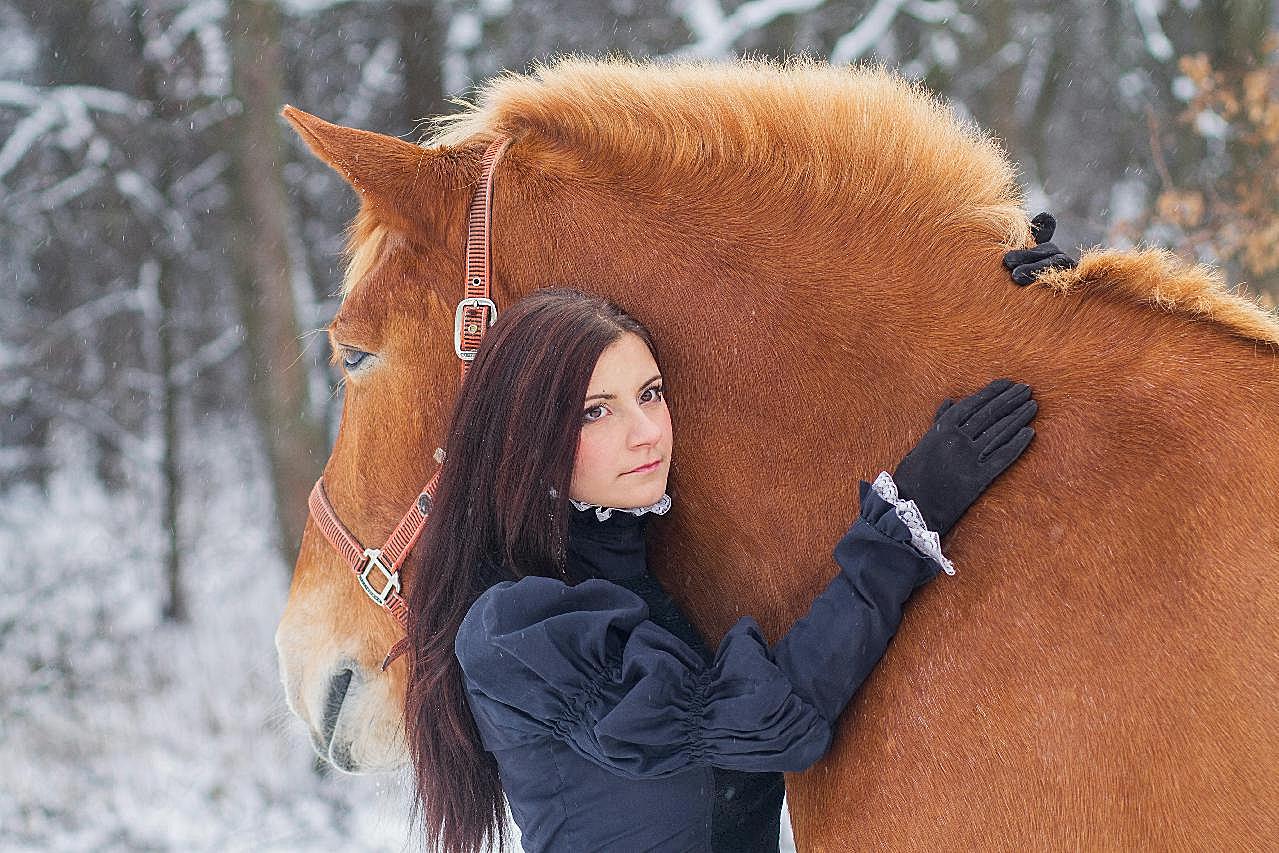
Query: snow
{"type": "Point", "coordinates": [1129, 200]}
{"type": "Point", "coordinates": [1210, 125]}
{"type": "Point", "coordinates": [1183, 88]}
{"type": "Point", "coordinates": [464, 31]}
{"type": "Point", "coordinates": [121, 732]}
{"type": "Point", "coordinates": [41, 120]}
{"type": "Point", "coordinates": [302, 8]}
{"type": "Point", "coordinates": [377, 75]}
{"type": "Point", "coordinates": [70, 187]}
{"type": "Point", "coordinates": [190, 21]}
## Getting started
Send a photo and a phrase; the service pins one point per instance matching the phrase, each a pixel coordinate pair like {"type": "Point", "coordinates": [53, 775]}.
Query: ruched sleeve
{"type": "Point", "coordinates": [585, 664]}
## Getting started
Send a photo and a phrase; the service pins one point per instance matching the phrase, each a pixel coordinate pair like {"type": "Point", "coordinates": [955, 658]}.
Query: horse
{"type": "Point", "coordinates": [817, 252]}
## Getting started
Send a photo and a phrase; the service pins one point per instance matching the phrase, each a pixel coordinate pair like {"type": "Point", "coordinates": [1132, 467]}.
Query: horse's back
{"type": "Point", "coordinates": [1102, 672]}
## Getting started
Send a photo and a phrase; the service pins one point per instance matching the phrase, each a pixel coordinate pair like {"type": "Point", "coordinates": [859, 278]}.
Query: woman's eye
{"type": "Point", "coordinates": [352, 358]}
{"type": "Point", "coordinates": [594, 413]}
{"type": "Point", "coordinates": [653, 394]}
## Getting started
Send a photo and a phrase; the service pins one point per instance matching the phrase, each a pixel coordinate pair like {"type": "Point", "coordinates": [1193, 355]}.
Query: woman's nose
{"type": "Point", "coordinates": [645, 430]}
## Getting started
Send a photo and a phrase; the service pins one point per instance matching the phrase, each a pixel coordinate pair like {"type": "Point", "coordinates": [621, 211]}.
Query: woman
{"type": "Point", "coordinates": [547, 664]}
{"type": "Point", "coordinates": [581, 687]}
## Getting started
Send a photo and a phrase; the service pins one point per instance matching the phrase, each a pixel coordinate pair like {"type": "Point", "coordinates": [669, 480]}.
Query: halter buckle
{"type": "Point", "coordinates": [373, 560]}
{"type": "Point", "coordinates": [470, 302]}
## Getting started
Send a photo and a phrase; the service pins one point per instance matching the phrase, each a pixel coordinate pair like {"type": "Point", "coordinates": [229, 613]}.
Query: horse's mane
{"type": "Point", "coordinates": [1160, 279]}
{"type": "Point", "coordinates": [760, 130]}
{"type": "Point", "coordinates": [798, 129]}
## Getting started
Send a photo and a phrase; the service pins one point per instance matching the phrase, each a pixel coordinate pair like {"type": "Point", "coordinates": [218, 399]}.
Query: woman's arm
{"type": "Point", "coordinates": [663, 610]}
{"type": "Point", "coordinates": [586, 665]}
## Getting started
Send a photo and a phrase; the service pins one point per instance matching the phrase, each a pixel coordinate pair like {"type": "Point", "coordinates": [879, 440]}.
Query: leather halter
{"type": "Point", "coordinates": [378, 569]}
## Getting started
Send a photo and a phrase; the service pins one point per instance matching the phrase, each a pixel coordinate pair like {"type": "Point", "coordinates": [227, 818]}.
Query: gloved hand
{"type": "Point", "coordinates": [1027, 264]}
{"type": "Point", "coordinates": [970, 444]}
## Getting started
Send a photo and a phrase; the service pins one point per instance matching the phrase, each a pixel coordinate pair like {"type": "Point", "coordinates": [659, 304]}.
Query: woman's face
{"type": "Point", "coordinates": [624, 455]}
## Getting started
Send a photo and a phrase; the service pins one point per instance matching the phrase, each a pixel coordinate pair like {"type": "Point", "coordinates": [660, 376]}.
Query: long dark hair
{"type": "Point", "coordinates": [501, 511]}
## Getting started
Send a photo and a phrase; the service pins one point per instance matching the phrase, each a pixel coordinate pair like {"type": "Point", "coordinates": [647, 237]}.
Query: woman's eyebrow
{"type": "Point", "coordinates": [606, 396]}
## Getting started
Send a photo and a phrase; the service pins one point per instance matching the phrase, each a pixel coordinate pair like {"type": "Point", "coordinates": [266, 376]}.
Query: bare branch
{"type": "Point", "coordinates": [44, 119]}
{"type": "Point", "coordinates": [83, 316]}
{"type": "Point", "coordinates": [217, 350]}
{"type": "Point", "coordinates": [55, 403]}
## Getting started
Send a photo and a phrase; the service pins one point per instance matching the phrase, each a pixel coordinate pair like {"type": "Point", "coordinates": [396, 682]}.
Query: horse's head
{"type": "Point", "coordinates": [393, 338]}
{"type": "Point", "coordinates": [770, 224]}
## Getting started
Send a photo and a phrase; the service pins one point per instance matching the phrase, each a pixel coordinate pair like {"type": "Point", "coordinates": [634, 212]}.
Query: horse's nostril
{"type": "Point", "coordinates": [333, 703]}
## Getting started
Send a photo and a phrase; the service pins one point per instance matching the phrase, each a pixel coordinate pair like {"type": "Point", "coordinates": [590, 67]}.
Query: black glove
{"type": "Point", "coordinates": [1027, 264]}
{"type": "Point", "coordinates": [970, 444]}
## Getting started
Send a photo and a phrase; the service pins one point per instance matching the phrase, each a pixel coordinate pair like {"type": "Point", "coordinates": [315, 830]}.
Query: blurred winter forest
{"type": "Point", "coordinates": [169, 253]}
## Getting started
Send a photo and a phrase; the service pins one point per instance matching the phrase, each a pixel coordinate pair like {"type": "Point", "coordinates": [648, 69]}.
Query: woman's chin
{"type": "Point", "coordinates": [632, 498]}
{"type": "Point", "coordinates": [647, 498]}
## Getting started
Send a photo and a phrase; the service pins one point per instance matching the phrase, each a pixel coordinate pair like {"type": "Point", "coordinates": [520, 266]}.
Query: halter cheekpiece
{"type": "Point", "coordinates": [378, 569]}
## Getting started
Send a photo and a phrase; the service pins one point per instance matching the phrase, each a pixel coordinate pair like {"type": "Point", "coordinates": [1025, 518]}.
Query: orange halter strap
{"type": "Point", "coordinates": [378, 569]}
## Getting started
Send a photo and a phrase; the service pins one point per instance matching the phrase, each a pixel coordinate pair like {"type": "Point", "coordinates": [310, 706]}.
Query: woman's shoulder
{"type": "Point", "coordinates": [536, 609]}
{"type": "Point", "coordinates": [535, 596]}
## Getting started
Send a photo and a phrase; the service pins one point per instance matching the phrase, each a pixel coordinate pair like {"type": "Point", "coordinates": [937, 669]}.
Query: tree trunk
{"type": "Point", "coordinates": [175, 602]}
{"type": "Point", "coordinates": [421, 56]}
{"type": "Point", "coordinates": [293, 440]}
{"type": "Point", "coordinates": [161, 274]}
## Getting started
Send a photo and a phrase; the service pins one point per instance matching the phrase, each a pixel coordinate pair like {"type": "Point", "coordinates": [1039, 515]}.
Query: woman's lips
{"type": "Point", "coordinates": [644, 469]}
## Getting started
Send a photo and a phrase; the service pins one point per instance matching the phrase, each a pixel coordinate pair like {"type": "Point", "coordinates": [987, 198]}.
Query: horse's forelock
{"type": "Point", "coordinates": [365, 240]}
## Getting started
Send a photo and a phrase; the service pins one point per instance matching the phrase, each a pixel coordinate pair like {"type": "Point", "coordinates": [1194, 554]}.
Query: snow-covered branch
{"type": "Point", "coordinates": [65, 109]}
{"type": "Point", "coordinates": [715, 33]}
{"type": "Point", "coordinates": [214, 352]}
{"type": "Point", "coordinates": [376, 76]}
{"type": "Point", "coordinates": [41, 121]}
{"type": "Point", "coordinates": [87, 315]}
{"type": "Point", "coordinates": [203, 21]}
{"type": "Point", "coordinates": [876, 24]}
{"type": "Point", "coordinates": [71, 186]}
{"type": "Point", "coordinates": [150, 200]}
{"type": "Point", "coordinates": [56, 403]}
{"type": "Point", "coordinates": [1157, 44]}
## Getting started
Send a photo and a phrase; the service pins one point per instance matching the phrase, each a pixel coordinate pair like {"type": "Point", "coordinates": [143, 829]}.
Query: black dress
{"type": "Point", "coordinates": [746, 811]}
{"type": "Point", "coordinates": [609, 724]}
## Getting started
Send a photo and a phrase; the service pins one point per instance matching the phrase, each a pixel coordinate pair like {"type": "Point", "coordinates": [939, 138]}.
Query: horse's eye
{"type": "Point", "coordinates": [352, 358]}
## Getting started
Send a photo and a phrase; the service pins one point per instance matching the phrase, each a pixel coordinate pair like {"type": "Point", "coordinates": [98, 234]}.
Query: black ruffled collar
{"type": "Point", "coordinates": [612, 548]}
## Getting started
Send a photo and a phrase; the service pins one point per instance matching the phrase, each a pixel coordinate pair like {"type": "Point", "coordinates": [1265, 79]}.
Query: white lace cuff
{"type": "Point", "coordinates": [604, 512]}
{"type": "Point", "coordinates": [925, 541]}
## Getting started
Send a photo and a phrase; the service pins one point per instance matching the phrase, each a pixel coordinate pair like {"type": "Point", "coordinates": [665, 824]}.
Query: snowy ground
{"type": "Point", "coordinates": [118, 732]}
{"type": "Point", "coordinates": [121, 733]}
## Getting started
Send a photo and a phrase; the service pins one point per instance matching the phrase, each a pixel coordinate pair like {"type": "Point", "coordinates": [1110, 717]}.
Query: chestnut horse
{"type": "Point", "coordinates": [817, 251]}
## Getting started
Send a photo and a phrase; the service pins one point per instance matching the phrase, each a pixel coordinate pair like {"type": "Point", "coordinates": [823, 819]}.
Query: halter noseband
{"type": "Point", "coordinates": [378, 569]}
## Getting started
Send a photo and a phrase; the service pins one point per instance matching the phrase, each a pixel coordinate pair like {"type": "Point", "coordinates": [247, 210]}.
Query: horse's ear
{"type": "Point", "coordinates": [392, 175]}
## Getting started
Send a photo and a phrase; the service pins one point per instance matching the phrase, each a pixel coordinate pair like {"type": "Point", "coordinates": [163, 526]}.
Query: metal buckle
{"type": "Point", "coordinates": [373, 559]}
{"type": "Point", "coordinates": [470, 302]}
